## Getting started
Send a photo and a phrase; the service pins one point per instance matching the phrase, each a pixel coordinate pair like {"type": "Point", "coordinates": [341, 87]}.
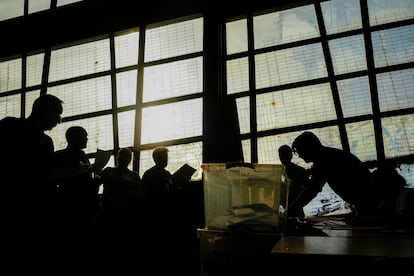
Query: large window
{"type": "Point", "coordinates": [123, 97]}
{"type": "Point", "coordinates": [16, 8]}
{"type": "Point", "coordinates": [347, 76]}
{"type": "Point", "coordinates": [309, 68]}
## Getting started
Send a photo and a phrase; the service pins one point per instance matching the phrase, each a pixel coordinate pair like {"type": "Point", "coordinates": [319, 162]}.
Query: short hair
{"type": "Point", "coordinates": [306, 140]}
{"type": "Point", "coordinates": [124, 156]}
{"type": "Point", "coordinates": [159, 154]}
{"type": "Point", "coordinates": [74, 132]}
{"type": "Point", "coordinates": [47, 102]}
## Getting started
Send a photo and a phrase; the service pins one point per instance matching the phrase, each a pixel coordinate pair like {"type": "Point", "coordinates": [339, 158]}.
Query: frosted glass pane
{"type": "Point", "coordinates": [173, 79]}
{"type": "Point", "coordinates": [10, 75]}
{"type": "Point", "coordinates": [285, 26]}
{"type": "Point", "coordinates": [393, 46]}
{"type": "Point", "coordinates": [66, 2]}
{"type": "Point", "coordinates": [341, 15]}
{"type": "Point", "coordinates": [31, 96]}
{"type": "Point", "coordinates": [178, 156]}
{"type": "Point", "coordinates": [290, 65]}
{"type": "Point", "coordinates": [385, 11]}
{"type": "Point", "coordinates": [10, 106]}
{"type": "Point", "coordinates": [84, 96]}
{"type": "Point", "coordinates": [362, 140]}
{"type": "Point", "coordinates": [126, 49]}
{"type": "Point", "coordinates": [11, 8]}
{"type": "Point", "coordinates": [126, 83]}
{"type": "Point", "coordinates": [34, 69]}
{"type": "Point", "coordinates": [296, 106]}
{"type": "Point", "coordinates": [172, 121]}
{"type": "Point", "coordinates": [100, 134]}
{"type": "Point", "coordinates": [267, 147]}
{"type": "Point", "coordinates": [79, 60]}
{"type": "Point", "coordinates": [38, 5]}
{"type": "Point", "coordinates": [236, 36]}
{"type": "Point", "coordinates": [243, 113]}
{"type": "Point", "coordinates": [246, 151]}
{"type": "Point", "coordinates": [237, 75]}
{"type": "Point", "coordinates": [396, 90]}
{"type": "Point", "coordinates": [348, 54]}
{"type": "Point", "coordinates": [355, 96]}
{"type": "Point", "coordinates": [398, 135]}
{"type": "Point", "coordinates": [174, 40]}
{"type": "Point", "coordinates": [126, 128]}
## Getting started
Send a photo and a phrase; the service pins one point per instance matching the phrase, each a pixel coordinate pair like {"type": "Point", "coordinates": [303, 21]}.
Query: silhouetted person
{"type": "Point", "coordinates": [157, 183]}
{"type": "Point", "coordinates": [122, 200]}
{"type": "Point", "coordinates": [347, 175]}
{"type": "Point", "coordinates": [299, 180]}
{"type": "Point", "coordinates": [28, 195]}
{"type": "Point", "coordinates": [159, 210]}
{"type": "Point", "coordinates": [77, 186]}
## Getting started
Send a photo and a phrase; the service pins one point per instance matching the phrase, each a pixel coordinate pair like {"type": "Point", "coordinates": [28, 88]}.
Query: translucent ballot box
{"type": "Point", "coordinates": [242, 196]}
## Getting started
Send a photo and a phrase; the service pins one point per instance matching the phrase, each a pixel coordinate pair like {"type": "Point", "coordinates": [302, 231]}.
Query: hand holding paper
{"type": "Point", "coordinates": [101, 159]}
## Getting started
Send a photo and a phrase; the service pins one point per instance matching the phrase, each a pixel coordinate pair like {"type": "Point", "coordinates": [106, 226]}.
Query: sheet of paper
{"type": "Point", "coordinates": [101, 159]}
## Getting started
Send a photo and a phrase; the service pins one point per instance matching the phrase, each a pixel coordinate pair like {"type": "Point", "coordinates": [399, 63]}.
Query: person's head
{"type": "Point", "coordinates": [77, 137]}
{"type": "Point", "coordinates": [160, 156]}
{"type": "Point", "coordinates": [46, 111]}
{"type": "Point", "coordinates": [307, 146]}
{"type": "Point", "coordinates": [285, 154]}
{"type": "Point", "coordinates": [124, 157]}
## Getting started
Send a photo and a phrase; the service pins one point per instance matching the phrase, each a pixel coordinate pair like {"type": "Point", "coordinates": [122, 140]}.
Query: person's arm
{"type": "Point", "coordinates": [310, 191]}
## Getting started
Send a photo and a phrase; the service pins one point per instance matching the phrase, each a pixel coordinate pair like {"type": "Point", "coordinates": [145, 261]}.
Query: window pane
{"type": "Point", "coordinates": [243, 113]}
{"type": "Point", "coordinates": [34, 69]}
{"type": "Point", "coordinates": [348, 54]}
{"type": "Point", "coordinates": [174, 40]}
{"type": "Point", "coordinates": [173, 79]}
{"type": "Point", "coordinates": [31, 96]}
{"type": "Point", "coordinates": [10, 106]}
{"type": "Point", "coordinates": [10, 75]}
{"type": "Point", "coordinates": [341, 15]}
{"type": "Point", "coordinates": [100, 134]}
{"type": "Point", "coordinates": [385, 11]}
{"type": "Point", "coordinates": [38, 5]}
{"type": "Point", "coordinates": [126, 83]}
{"type": "Point", "coordinates": [172, 121]}
{"type": "Point", "coordinates": [355, 96]}
{"type": "Point", "coordinates": [246, 151]}
{"type": "Point", "coordinates": [295, 107]}
{"type": "Point", "coordinates": [66, 2]}
{"type": "Point", "coordinates": [398, 135]}
{"type": "Point", "coordinates": [237, 75]}
{"type": "Point", "coordinates": [178, 156]}
{"type": "Point", "coordinates": [79, 60]}
{"type": "Point", "coordinates": [11, 8]}
{"type": "Point", "coordinates": [267, 147]}
{"type": "Point", "coordinates": [290, 65]}
{"type": "Point", "coordinates": [393, 46]}
{"type": "Point", "coordinates": [236, 36]}
{"type": "Point", "coordinates": [396, 90]}
{"type": "Point", "coordinates": [285, 26]}
{"type": "Point", "coordinates": [126, 49]}
{"type": "Point", "coordinates": [126, 128]}
{"type": "Point", "coordinates": [84, 96]}
{"type": "Point", "coordinates": [362, 140]}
